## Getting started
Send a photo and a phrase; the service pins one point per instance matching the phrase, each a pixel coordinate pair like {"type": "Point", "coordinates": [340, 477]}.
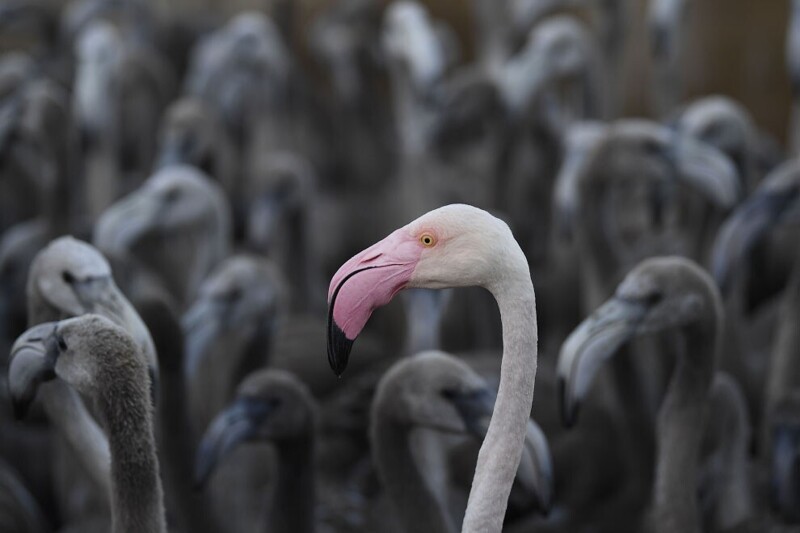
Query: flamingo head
{"type": "Point", "coordinates": [453, 246]}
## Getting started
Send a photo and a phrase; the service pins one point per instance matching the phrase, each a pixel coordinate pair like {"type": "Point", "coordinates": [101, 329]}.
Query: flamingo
{"type": "Point", "coordinates": [454, 246]}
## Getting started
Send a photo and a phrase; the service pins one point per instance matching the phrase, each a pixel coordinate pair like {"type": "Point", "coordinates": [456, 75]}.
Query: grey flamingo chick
{"type": "Point", "coordinates": [192, 133]}
{"type": "Point", "coordinates": [38, 151]}
{"type": "Point", "coordinates": [102, 361]}
{"type": "Point", "coordinates": [229, 332]}
{"type": "Point", "coordinates": [178, 218]}
{"type": "Point", "coordinates": [728, 126]}
{"type": "Point", "coordinates": [120, 91]}
{"type": "Point", "coordinates": [630, 149]}
{"type": "Point", "coordinates": [773, 208]}
{"type": "Point", "coordinates": [275, 406]}
{"type": "Point", "coordinates": [436, 391]}
{"type": "Point", "coordinates": [283, 207]}
{"type": "Point", "coordinates": [660, 294]}
{"type": "Point", "coordinates": [346, 41]}
{"type": "Point", "coordinates": [70, 278]}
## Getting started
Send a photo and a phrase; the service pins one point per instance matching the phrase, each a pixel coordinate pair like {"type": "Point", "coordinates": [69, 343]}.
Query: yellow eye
{"type": "Point", "coordinates": [427, 240]}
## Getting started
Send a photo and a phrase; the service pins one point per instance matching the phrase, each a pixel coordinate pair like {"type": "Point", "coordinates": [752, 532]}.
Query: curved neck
{"type": "Point", "coordinates": [176, 447]}
{"type": "Point", "coordinates": [293, 497]}
{"type": "Point", "coordinates": [502, 447]}
{"type": "Point", "coordinates": [681, 421]}
{"type": "Point", "coordinates": [734, 504]}
{"type": "Point", "coordinates": [136, 494]}
{"type": "Point", "coordinates": [784, 372]}
{"type": "Point", "coordinates": [417, 506]}
{"type": "Point", "coordinates": [490, 19]}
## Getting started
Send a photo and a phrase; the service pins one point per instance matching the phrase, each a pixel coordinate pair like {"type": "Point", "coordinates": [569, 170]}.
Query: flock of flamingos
{"type": "Point", "coordinates": [176, 192]}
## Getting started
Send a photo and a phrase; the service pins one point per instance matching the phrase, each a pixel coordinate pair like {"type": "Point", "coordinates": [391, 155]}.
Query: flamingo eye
{"type": "Point", "coordinates": [427, 240]}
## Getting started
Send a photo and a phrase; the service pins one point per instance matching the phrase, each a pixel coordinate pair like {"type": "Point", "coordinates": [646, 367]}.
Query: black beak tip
{"type": "Point", "coordinates": [545, 506]}
{"type": "Point", "coordinates": [339, 347]}
{"type": "Point", "coordinates": [20, 407]}
{"type": "Point", "coordinates": [201, 474]}
{"type": "Point", "coordinates": [204, 462]}
{"type": "Point", "coordinates": [569, 416]}
{"type": "Point", "coordinates": [721, 272]}
{"type": "Point", "coordinates": [475, 409]}
{"type": "Point", "coordinates": [569, 410]}
{"type": "Point", "coordinates": [724, 285]}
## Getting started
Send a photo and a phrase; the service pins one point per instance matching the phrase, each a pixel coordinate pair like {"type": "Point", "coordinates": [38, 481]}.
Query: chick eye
{"type": "Point", "coordinates": [427, 240]}
{"type": "Point", "coordinates": [448, 394]}
{"type": "Point", "coordinates": [172, 195]}
{"type": "Point", "coordinates": [62, 345]}
{"type": "Point", "coordinates": [653, 298]}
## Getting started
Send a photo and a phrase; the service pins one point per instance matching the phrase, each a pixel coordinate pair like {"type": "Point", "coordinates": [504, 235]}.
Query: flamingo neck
{"type": "Point", "coordinates": [417, 505]}
{"type": "Point", "coordinates": [500, 453]}
{"type": "Point", "coordinates": [785, 367]}
{"type": "Point", "coordinates": [136, 495]}
{"type": "Point", "coordinates": [293, 498]}
{"type": "Point", "coordinates": [681, 421]}
{"type": "Point", "coordinates": [735, 503]}
{"type": "Point", "coordinates": [176, 448]}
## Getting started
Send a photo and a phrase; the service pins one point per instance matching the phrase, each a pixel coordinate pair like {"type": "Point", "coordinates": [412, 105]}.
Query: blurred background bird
{"type": "Point", "coordinates": [180, 180]}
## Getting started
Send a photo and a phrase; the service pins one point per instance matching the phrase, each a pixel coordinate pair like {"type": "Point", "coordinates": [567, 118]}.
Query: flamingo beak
{"type": "Point", "coordinates": [123, 224]}
{"type": "Point", "coordinates": [32, 362]}
{"type": "Point", "coordinates": [475, 408]}
{"type": "Point", "coordinates": [751, 221]}
{"type": "Point", "coordinates": [594, 341]}
{"type": "Point", "coordinates": [202, 324]}
{"type": "Point", "coordinates": [707, 169]}
{"type": "Point", "coordinates": [238, 423]}
{"type": "Point", "coordinates": [785, 490]}
{"type": "Point", "coordinates": [367, 281]}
